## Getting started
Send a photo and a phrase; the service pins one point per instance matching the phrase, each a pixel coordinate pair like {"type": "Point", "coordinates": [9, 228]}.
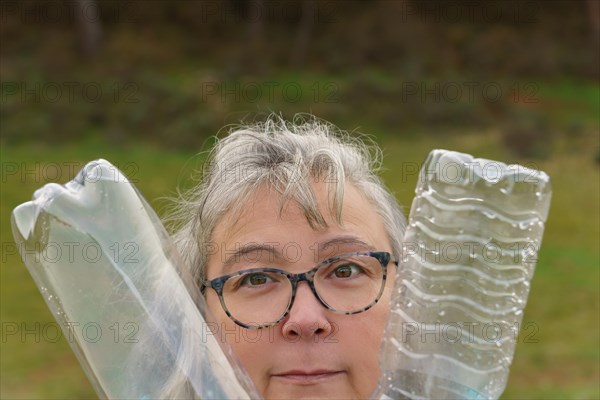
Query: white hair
{"type": "Point", "coordinates": [288, 156]}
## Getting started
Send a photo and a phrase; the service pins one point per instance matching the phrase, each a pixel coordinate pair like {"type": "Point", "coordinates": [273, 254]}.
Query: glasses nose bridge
{"type": "Point", "coordinates": [307, 277]}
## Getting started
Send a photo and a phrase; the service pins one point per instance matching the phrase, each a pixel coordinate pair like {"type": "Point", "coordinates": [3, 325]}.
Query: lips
{"type": "Point", "coordinates": [307, 377]}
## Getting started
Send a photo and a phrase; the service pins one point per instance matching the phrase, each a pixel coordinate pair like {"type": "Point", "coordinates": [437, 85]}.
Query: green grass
{"type": "Point", "coordinates": [564, 298]}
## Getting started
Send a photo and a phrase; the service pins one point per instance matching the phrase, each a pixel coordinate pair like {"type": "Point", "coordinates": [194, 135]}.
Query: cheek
{"type": "Point", "coordinates": [251, 347]}
{"type": "Point", "coordinates": [254, 349]}
{"type": "Point", "coordinates": [362, 344]}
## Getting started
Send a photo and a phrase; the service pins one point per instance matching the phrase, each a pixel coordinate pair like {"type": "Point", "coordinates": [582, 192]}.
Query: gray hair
{"type": "Point", "coordinates": [287, 156]}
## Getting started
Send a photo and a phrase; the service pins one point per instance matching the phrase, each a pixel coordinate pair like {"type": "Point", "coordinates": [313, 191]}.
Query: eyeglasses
{"type": "Point", "coordinates": [262, 297]}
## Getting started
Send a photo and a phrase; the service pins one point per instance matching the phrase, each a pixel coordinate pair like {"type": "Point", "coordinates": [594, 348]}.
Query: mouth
{"type": "Point", "coordinates": [307, 377]}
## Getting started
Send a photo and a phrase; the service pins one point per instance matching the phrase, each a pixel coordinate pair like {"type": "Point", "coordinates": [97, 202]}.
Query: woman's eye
{"type": "Point", "coordinates": [255, 280]}
{"type": "Point", "coordinates": [346, 270]}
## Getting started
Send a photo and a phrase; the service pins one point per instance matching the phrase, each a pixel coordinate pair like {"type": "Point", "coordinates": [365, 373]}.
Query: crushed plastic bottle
{"type": "Point", "coordinates": [469, 253]}
{"type": "Point", "coordinates": [108, 273]}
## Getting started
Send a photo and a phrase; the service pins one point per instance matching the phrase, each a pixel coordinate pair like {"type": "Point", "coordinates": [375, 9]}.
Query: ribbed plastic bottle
{"type": "Point", "coordinates": [469, 252]}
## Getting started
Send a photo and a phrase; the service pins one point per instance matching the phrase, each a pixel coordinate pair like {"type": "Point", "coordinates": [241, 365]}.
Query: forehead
{"type": "Point", "coordinates": [260, 223]}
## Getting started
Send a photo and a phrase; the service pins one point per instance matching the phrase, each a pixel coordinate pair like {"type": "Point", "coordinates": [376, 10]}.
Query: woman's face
{"type": "Point", "coordinates": [313, 352]}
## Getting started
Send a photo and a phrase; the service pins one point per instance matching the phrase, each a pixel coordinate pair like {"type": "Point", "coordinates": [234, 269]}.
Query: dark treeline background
{"type": "Point", "coordinates": [549, 38]}
{"type": "Point", "coordinates": [175, 72]}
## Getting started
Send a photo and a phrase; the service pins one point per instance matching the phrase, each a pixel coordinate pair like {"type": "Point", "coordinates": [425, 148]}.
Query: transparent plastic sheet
{"type": "Point", "coordinates": [107, 270]}
{"type": "Point", "coordinates": [469, 253]}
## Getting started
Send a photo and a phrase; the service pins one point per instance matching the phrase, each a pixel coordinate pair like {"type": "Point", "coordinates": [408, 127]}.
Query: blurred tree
{"type": "Point", "coordinates": [256, 23]}
{"type": "Point", "coordinates": [89, 22]}
{"type": "Point", "coordinates": [594, 14]}
{"type": "Point", "coordinates": [256, 27]}
{"type": "Point", "coordinates": [303, 34]}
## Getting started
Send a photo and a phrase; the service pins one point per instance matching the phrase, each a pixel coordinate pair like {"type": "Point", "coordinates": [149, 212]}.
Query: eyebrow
{"type": "Point", "coordinates": [276, 254]}
{"type": "Point", "coordinates": [345, 240]}
{"type": "Point", "coordinates": [247, 249]}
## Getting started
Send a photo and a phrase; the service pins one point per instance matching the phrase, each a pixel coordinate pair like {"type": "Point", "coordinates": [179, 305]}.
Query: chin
{"type": "Point", "coordinates": [323, 391]}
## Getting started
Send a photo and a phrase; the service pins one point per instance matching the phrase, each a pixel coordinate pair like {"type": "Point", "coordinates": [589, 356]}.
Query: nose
{"type": "Point", "coordinates": [308, 318]}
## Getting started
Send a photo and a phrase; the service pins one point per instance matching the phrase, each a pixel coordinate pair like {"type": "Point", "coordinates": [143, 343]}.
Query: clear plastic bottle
{"type": "Point", "coordinates": [108, 272]}
{"type": "Point", "coordinates": [469, 253]}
